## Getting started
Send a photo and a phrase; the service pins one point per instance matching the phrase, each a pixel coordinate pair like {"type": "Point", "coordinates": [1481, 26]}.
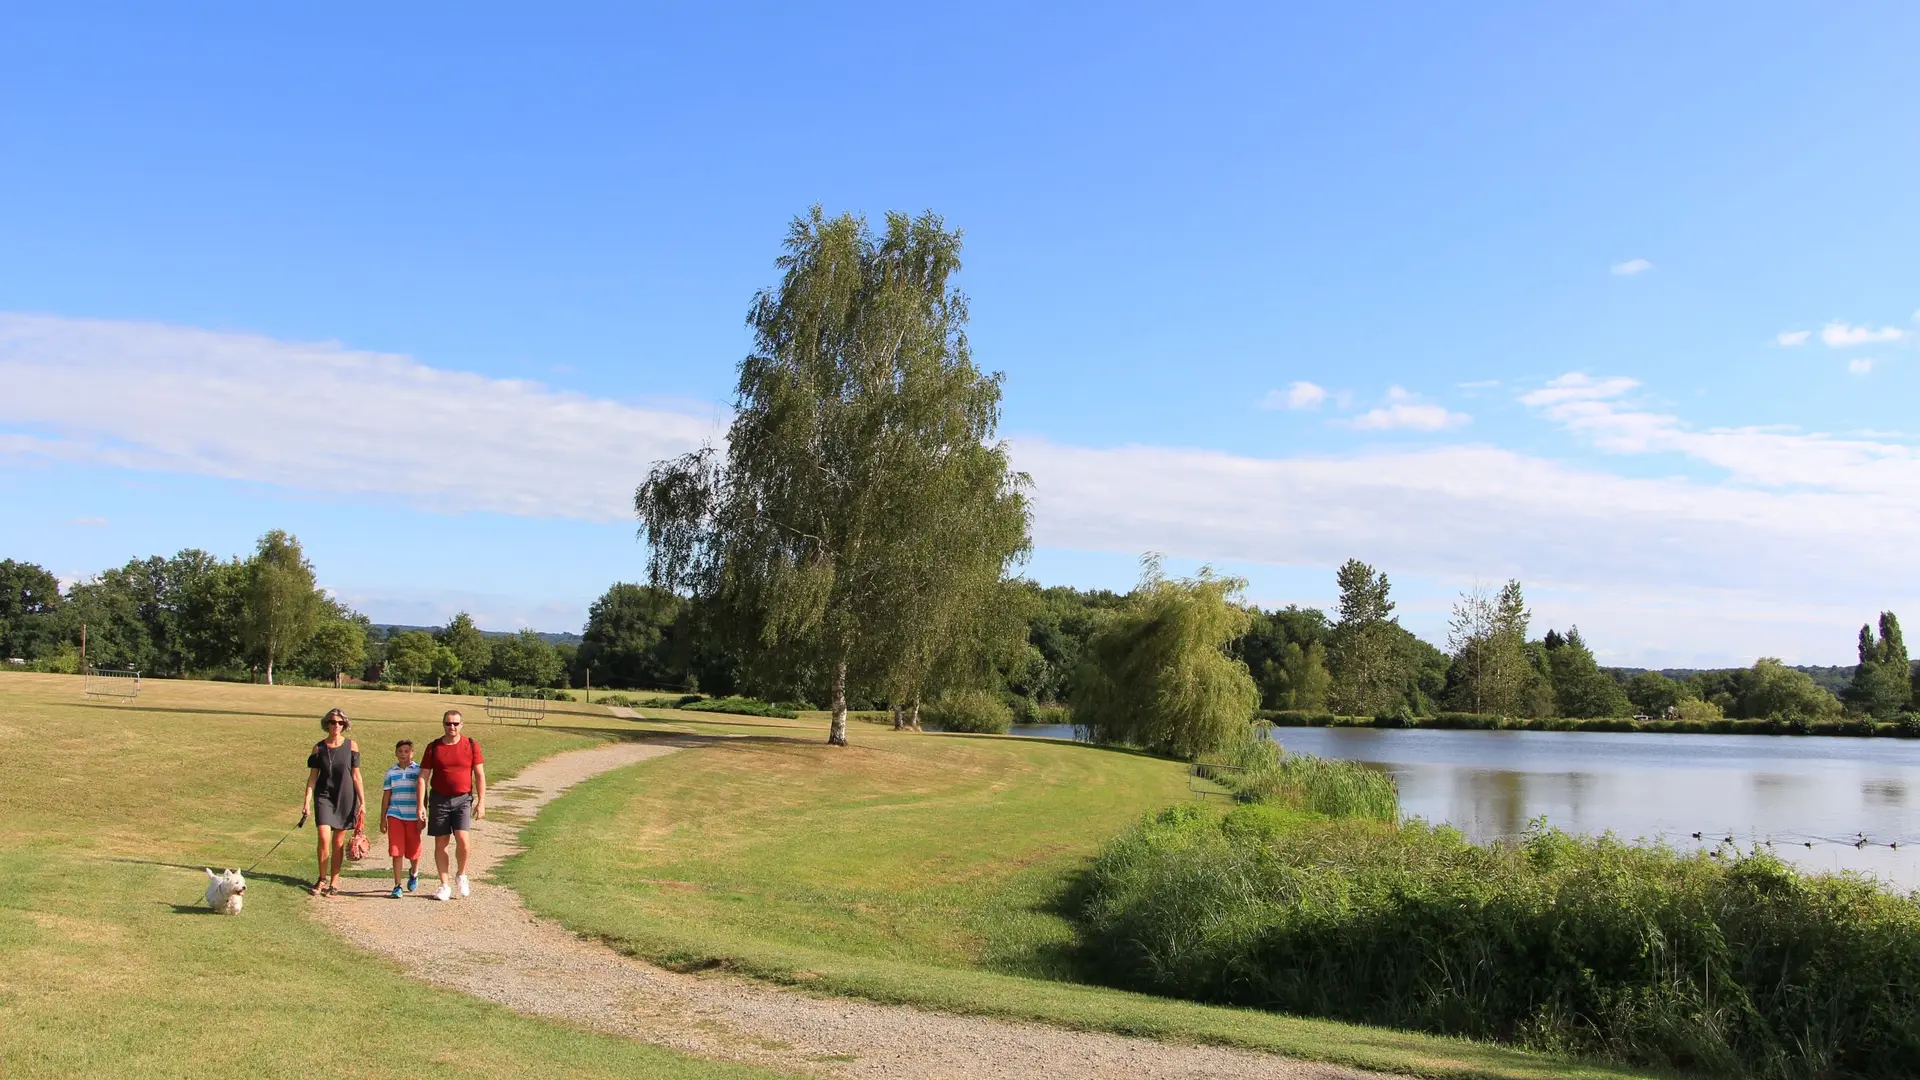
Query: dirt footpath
{"type": "Point", "coordinates": [491, 947]}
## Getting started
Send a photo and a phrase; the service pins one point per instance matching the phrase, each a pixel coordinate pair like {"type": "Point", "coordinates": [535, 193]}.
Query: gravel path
{"type": "Point", "coordinates": [492, 947]}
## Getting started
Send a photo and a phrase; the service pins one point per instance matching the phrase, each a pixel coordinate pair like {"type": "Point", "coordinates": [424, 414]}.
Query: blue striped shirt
{"type": "Point", "coordinates": [405, 786]}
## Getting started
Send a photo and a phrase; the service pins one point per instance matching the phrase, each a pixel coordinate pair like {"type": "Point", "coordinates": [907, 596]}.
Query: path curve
{"type": "Point", "coordinates": [492, 947]}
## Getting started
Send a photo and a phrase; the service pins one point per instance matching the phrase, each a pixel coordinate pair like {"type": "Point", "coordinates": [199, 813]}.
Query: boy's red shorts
{"type": "Point", "coordinates": [403, 838]}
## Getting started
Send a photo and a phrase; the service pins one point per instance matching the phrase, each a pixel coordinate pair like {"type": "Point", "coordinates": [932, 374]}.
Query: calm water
{"type": "Point", "coordinates": [1755, 788]}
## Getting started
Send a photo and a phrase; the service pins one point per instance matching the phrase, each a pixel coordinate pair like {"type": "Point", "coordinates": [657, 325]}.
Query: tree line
{"type": "Point", "coordinates": [854, 544]}
{"type": "Point", "coordinates": [258, 617]}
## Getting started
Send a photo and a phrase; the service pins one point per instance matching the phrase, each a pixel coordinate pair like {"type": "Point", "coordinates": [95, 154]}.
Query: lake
{"type": "Point", "coordinates": [1754, 788]}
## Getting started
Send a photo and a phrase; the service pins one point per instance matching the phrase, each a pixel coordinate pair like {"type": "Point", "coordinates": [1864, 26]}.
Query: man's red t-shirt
{"type": "Point", "coordinates": [452, 766]}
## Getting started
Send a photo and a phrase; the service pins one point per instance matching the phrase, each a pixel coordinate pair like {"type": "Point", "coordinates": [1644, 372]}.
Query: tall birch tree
{"type": "Point", "coordinates": [282, 605]}
{"type": "Point", "coordinates": [863, 506]}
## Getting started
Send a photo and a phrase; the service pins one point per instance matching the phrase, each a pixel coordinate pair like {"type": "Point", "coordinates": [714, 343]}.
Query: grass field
{"type": "Point", "coordinates": [923, 869]}
{"type": "Point", "coordinates": [111, 967]}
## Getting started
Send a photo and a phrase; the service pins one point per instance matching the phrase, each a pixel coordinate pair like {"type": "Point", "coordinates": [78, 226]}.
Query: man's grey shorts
{"type": "Point", "coordinates": [449, 814]}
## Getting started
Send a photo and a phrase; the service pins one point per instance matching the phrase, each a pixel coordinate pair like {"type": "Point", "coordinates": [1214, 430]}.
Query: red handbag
{"type": "Point", "coordinates": [357, 846]}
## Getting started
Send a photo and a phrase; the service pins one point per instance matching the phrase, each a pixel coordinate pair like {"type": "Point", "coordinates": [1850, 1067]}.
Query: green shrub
{"type": "Point", "coordinates": [1054, 714]}
{"type": "Point", "coordinates": [1909, 725]}
{"type": "Point", "coordinates": [1735, 965]}
{"type": "Point", "coordinates": [740, 706]}
{"type": "Point", "coordinates": [978, 711]}
{"type": "Point", "coordinates": [64, 661]}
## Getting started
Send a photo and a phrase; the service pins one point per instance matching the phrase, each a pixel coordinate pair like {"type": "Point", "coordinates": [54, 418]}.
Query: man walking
{"type": "Point", "coordinates": [455, 776]}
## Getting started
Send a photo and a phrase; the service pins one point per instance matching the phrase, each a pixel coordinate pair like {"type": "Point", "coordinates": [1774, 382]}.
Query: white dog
{"type": "Point", "coordinates": [226, 892]}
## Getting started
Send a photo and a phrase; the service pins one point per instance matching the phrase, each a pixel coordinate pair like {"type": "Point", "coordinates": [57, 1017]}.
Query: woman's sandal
{"type": "Point", "coordinates": [319, 889]}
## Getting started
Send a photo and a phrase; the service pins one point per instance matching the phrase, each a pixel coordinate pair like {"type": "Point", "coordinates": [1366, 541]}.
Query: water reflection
{"type": "Point", "coordinates": [1827, 793]}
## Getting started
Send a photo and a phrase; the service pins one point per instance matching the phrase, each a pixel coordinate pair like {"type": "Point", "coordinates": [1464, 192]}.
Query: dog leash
{"type": "Point", "coordinates": [301, 824]}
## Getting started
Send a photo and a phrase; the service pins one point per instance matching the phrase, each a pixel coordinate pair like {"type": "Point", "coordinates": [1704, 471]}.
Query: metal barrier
{"type": "Point", "coordinates": [120, 685]}
{"type": "Point", "coordinates": [1206, 778]}
{"type": "Point", "coordinates": [526, 710]}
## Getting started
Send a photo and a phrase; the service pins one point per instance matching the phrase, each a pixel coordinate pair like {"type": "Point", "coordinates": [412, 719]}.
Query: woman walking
{"type": "Point", "coordinates": [335, 797]}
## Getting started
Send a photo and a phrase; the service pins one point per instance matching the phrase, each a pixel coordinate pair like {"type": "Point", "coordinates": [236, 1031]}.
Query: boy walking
{"type": "Point", "coordinates": [400, 815]}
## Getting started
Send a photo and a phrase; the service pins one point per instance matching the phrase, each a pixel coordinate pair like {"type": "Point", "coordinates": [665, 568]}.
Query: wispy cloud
{"type": "Point", "coordinates": [1840, 335]}
{"type": "Point", "coordinates": [1862, 366]}
{"type": "Point", "coordinates": [90, 522]}
{"type": "Point", "coordinates": [1631, 267]}
{"type": "Point", "coordinates": [1884, 475]}
{"type": "Point", "coordinates": [1789, 338]}
{"type": "Point", "coordinates": [326, 418]}
{"type": "Point", "coordinates": [1405, 411]}
{"type": "Point", "coordinates": [1777, 531]}
{"type": "Point", "coordinates": [1298, 395]}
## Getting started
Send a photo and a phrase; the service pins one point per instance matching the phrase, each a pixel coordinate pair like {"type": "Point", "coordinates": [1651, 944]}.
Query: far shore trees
{"type": "Point", "coordinates": [1157, 676]}
{"type": "Point", "coordinates": [1883, 684]}
{"type": "Point", "coordinates": [282, 604]}
{"type": "Point", "coordinates": [1488, 635]}
{"type": "Point", "coordinates": [861, 427]}
{"type": "Point", "coordinates": [1368, 677]}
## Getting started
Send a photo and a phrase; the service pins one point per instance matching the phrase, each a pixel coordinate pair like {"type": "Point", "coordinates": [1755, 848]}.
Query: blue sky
{"type": "Point", "coordinates": [1620, 302]}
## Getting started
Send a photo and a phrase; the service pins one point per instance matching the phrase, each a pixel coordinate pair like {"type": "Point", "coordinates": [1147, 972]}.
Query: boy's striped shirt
{"type": "Point", "coordinates": [405, 785]}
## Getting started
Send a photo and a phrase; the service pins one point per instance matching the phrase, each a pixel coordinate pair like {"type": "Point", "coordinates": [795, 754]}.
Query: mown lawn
{"type": "Point", "coordinates": [111, 968]}
{"type": "Point", "coordinates": [926, 869]}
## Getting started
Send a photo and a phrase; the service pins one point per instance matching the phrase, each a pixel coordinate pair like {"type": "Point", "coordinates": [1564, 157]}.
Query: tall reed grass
{"type": "Point", "coordinates": [1335, 788]}
{"type": "Point", "coordinates": [1733, 965]}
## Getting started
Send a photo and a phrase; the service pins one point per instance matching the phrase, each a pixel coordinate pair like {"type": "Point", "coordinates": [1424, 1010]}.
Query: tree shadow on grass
{"type": "Point", "coordinates": [685, 740]}
{"type": "Point", "coordinates": [186, 711]}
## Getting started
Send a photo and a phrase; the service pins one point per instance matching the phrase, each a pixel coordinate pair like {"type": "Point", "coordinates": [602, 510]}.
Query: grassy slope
{"type": "Point", "coordinates": [911, 868]}
{"type": "Point", "coordinates": [111, 967]}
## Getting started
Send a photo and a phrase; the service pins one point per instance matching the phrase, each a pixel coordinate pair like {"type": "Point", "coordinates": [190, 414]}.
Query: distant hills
{"type": "Point", "coordinates": [1833, 679]}
{"type": "Point", "coordinates": [563, 638]}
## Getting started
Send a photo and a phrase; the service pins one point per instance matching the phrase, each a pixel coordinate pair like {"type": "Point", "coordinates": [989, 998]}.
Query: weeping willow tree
{"type": "Point", "coordinates": [863, 512]}
{"type": "Point", "coordinates": [1157, 676]}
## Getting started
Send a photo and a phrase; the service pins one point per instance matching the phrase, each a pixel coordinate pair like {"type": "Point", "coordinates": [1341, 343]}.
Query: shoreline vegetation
{"type": "Point", "coordinates": [1853, 727]}
{"type": "Point", "coordinates": [1312, 898]}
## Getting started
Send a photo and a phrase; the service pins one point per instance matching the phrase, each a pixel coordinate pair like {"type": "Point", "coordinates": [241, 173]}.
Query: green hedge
{"type": "Point", "coordinates": [1735, 966]}
{"type": "Point", "coordinates": [742, 706]}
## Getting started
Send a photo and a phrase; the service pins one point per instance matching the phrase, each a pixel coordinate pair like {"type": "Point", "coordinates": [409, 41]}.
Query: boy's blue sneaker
{"type": "Point", "coordinates": [413, 880]}
{"type": "Point", "coordinates": [395, 893]}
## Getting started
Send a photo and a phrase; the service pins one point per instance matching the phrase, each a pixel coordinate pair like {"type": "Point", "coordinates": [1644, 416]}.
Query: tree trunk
{"type": "Point", "coordinates": [915, 721]}
{"type": "Point", "coordinates": [837, 731]}
{"type": "Point", "coordinates": [899, 718]}
{"type": "Point", "coordinates": [269, 671]}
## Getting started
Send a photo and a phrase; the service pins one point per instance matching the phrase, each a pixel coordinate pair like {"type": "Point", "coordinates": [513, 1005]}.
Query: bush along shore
{"type": "Point", "coordinates": [1907, 727]}
{"type": "Point", "coordinates": [1313, 901]}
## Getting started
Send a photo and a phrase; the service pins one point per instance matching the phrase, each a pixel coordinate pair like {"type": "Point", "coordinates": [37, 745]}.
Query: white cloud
{"type": "Point", "coordinates": [1790, 338]}
{"type": "Point", "coordinates": [1663, 560]}
{"type": "Point", "coordinates": [90, 522]}
{"type": "Point", "coordinates": [326, 418]}
{"type": "Point", "coordinates": [1408, 417]}
{"type": "Point", "coordinates": [1578, 387]}
{"type": "Point", "coordinates": [1862, 366]}
{"type": "Point", "coordinates": [1883, 475]}
{"type": "Point", "coordinates": [1298, 395]}
{"type": "Point", "coordinates": [1631, 267]}
{"type": "Point", "coordinates": [1405, 411]}
{"type": "Point", "coordinates": [1840, 335]}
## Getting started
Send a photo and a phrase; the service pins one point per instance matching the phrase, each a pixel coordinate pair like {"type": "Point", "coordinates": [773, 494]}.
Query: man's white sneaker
{"type": "Point", "coordinates": [443, 893]}
{"type": "Point", "coordinates": [463, 886]}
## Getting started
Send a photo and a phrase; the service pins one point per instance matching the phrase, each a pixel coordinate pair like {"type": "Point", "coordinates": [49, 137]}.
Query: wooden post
{"type": "Point", "coordinates": [589, 684]}
{"type": "Point", "coordinates": [83, 650]}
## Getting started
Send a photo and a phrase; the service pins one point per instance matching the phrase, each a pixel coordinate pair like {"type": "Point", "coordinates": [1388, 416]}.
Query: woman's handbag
{"type": "Point", "coordinates": [357, 846]}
